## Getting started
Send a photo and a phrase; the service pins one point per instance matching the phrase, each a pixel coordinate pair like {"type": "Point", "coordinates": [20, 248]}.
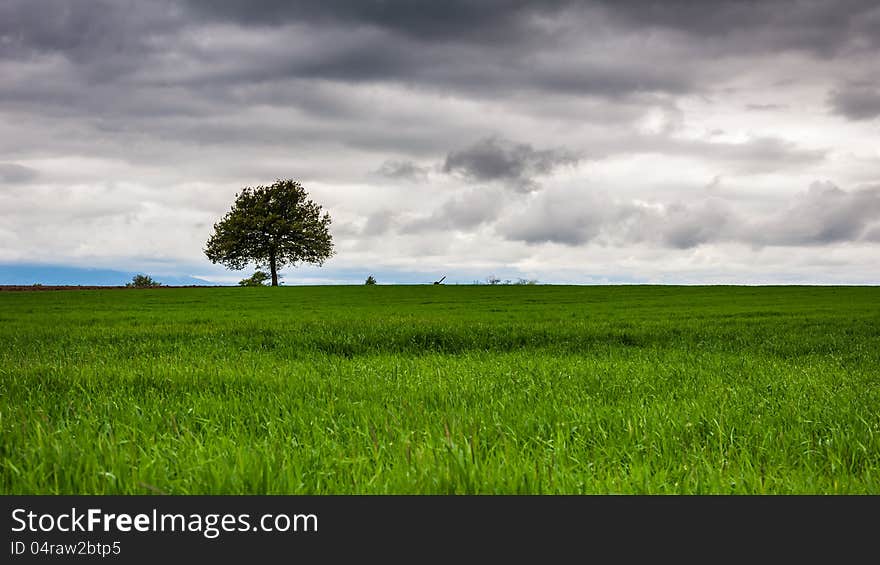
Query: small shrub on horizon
{"type": "Point", "coordinates": [371, 280]}
{"type": "Point", "coordinates": [142, 281]}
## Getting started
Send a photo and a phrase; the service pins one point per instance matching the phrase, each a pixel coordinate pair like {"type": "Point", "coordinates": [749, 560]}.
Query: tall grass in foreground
{"type": "Point", "coordinates": [531, 389]}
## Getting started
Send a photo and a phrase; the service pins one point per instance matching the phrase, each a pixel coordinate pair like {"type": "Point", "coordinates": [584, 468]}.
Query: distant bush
{"type": "Point", "coordinates": [142, 281]}
{"type": "Point", "coordinates": [527, 281]}
{"type": "Point", "coordinates": [257, 279]}
{"type": "Point", "coordinates": [370, 280]}
{"type": "Point", "coordinates": [493, 280]}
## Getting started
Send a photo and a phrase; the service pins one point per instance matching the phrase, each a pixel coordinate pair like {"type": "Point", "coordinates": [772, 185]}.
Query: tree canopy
{"type": "Point", "coordinates": [272, 226]}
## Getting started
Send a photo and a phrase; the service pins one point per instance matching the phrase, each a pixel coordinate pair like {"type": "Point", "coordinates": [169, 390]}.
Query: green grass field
{"type": "Point", "coordinates": [441, 389]}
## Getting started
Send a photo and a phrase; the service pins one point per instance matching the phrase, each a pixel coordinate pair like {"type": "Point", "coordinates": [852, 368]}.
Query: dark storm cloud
{"type": "Point", "coordinates": [818, 26]}
{"type": "Point", "coordinates": [161, 58]}
{"type": "Point", "coordinates": [514, 164]}
{"type": "Point", "coordinates": [856, 103]}
{"type": "Point", "coordinates": [824, 214]}
{"type": "Point", "coordinates": [11, 173]}
{"type": "Point", "coordinates": [123, 74]}
{"type": "Point", "coordinates": [118, 33]}
{"type": "Point", "coordinates": [28, 27]}
{"type": "Point", "coordinates": [367, 55]}
{"type": "Point", "coordinates": [473, 46]}
{"type": "Point", "coordinates": [159, 70]}
{"type": "Point", "coordinates": [482, 21]}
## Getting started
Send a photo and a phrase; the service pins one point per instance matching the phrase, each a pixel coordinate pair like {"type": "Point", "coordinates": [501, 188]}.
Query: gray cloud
{"type": "Point", "coordinates": [554, 218]}
{"type": "Point", "coordinates": [464, 212]}
{"type": "Point", "coordinates": [873, 234]}
{"type": "Point", "coordinates": [514, 164]}
{"type": "Point", "coordinates": [12, 173]}
{"type": "Point", "coordinates": [379, 223]}
{"type": "Point", "coordinates": [403, 170]}
{"type": "Point", "coordinates": [758, 154]}
{"type": "Point", "coordinates": [824, 214]}
{"type": "Point", "coordinates": [684, 226]}
{"type": "Point", "coordinates": [856, 103]}
{"type": "Point", "coordinates": [579, 219]}
{"type": "Point", "coordinates": [754, 155]}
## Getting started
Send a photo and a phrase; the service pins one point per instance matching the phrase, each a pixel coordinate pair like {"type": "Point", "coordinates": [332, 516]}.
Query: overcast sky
{"type": "Point", "coordinates": [569, 142]}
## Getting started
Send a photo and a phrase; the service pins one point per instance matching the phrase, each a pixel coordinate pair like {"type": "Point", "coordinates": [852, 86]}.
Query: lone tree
{"type": "Point", "coordinates": [271, 226]}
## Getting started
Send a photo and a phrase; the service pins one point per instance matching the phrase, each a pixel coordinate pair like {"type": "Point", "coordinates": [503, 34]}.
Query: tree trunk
{"type": "Point", "coordinates": [274, 270]}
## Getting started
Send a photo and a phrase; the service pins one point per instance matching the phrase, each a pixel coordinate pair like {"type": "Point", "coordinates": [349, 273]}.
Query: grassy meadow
{"type": "Point", "coordinates": [441, 389]}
